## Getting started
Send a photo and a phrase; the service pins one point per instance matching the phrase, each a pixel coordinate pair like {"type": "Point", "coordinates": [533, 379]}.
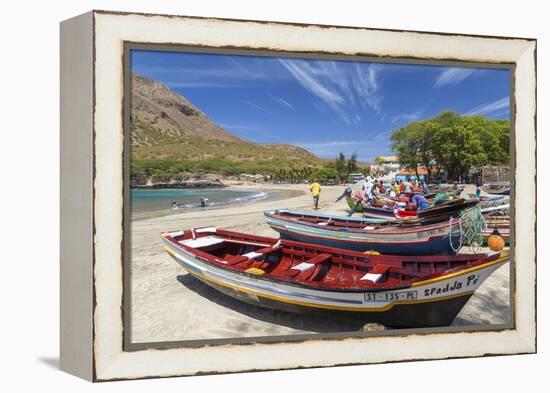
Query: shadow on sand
{"type": "Point", "coordinates": [490, 309]}
{"type": "Point", "coordinates": [308, 322]}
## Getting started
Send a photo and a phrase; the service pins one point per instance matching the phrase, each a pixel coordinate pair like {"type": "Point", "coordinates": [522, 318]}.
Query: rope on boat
{"type": "Point", "coordinates": [471, 225]}
{"type": "Point", "coordinates": [460, 243]}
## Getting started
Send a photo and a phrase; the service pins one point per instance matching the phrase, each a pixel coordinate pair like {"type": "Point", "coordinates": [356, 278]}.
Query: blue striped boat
{"type": "Point", "coordinates": [363, 235]}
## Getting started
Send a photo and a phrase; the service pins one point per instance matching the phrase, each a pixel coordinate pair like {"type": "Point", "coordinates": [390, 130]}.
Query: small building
{"type": "Point", "coordinates": [356, 177]}
{"type": "Point", "coordinates": [388, 160]}
{"type": "Point", "coordinates": [410, 175]}
{"type": "Point", "coordinates": [384, 165]}
{"type": "Point", "coordinates": [489, 174]}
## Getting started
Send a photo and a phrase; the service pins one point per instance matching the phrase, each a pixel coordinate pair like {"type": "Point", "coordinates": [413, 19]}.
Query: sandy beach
{"type": "Point", "coordinates": [168, 304]}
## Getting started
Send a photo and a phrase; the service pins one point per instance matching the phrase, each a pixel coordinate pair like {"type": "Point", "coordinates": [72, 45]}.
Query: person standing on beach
{"type": "Point", "coordinates": [396, 188]}
{"type": "Point", "coordinates": [315, 191]}
{"type": "Point", "coordinates": [478, 192]}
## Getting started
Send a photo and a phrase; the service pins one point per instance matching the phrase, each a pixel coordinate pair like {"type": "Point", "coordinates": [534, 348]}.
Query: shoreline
{"type": "Point", "coordinates": [272, 194]}
{"type": "Point", "coordinates": [168, 304]}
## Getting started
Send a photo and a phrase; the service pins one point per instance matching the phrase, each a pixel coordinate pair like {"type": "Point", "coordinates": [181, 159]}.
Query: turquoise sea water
{"type": "Point", "coordinates": [146, 203]}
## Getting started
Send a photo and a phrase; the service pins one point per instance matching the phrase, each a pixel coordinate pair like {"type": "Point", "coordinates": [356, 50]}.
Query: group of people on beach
{"type": "Point", "coordinates": [373, 191]}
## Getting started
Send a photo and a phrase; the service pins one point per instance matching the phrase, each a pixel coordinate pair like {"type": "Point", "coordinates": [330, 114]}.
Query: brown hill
{"type": "Point", "coordinates": [161, 116]}
{"type": "Point", "coordinates": [173, 139]}
{"type": "Point", "coordinates": [165, 125]}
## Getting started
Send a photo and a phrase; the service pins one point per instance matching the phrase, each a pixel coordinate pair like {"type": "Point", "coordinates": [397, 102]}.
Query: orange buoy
{"type": "Point", "coordinates": [372, 252]}
{"type": "Point", "coordinates": [495, 241]}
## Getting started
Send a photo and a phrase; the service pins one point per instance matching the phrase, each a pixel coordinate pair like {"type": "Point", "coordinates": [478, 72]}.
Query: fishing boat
{"type": "Point", "coordinates": [503, 227]}
{"type": "Point", "coordinates": [486, 198]}
{"type": "Point", "coordinates": [185, 205]}
{"type": "Point", "coordinates": [490, 208]}
{"type": "Point", "coordinates": [448, 188]}
{"type": "Point", "coordinates": [446, 209]}
{"type": "Point", "coordinates": [502, 188]}
{"type": "Point", "coordinates": [378, 213]}
{"type": "Point", "coordinates": [406, 237]}
{"type": "Point", "coordinates": [399, 291]}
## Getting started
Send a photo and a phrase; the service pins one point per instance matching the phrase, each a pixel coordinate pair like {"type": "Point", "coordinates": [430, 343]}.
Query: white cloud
{"type": "Point", "coordinates": [344, 87]}
{"type": "Point", "coordinates": [498, 105]}
{"type": "Point", "coordinates": [367, 85]}
{"type": "Point", "coordinates": [407, 117]}
{"type": "Point", "coordinates": [256, 106]}
{"type": "Point", "coordinates": [329, 144]}
{"type": "Point", "coordinates": [280, 100]}
{"type": "Point", "coordinates": [307, 76]}
{"type": "Point", "coordinates": [248, 129]}
{"type": "Point", "coordinates": [332, 149]}
{"type": "Point", "coordinates": [453, 76]}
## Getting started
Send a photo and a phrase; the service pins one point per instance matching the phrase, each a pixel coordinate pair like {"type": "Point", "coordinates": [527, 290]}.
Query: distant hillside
{"type": "Point", "coordinates": [172, 138]}
{"type": "Point", "coordinates": [161, 116]}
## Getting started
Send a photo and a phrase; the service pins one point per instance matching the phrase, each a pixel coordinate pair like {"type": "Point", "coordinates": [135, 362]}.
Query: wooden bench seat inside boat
{"type": "Point", "coordinates": [202, 241]}
{"type": "Point", "coordinates": [376, 274]}
{"type": "Point", "coordinates": [304, 270]}
{"type": "Point", "coordinates": [251, 256]}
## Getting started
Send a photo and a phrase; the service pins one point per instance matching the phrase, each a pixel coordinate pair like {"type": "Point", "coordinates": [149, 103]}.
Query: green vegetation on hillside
{"type": "Point", "coordinates": [452, 143]}
{"type": "Point", "coordinates": [162, 168]}
{"type": "Point", "coordinates": [197, 148]}
{"type": "Point", "coordinates": [160, 154]}
{"type": "Point", "coordinates": [199, 156]}
{"type": "Point", "coordinates": [195, 156]}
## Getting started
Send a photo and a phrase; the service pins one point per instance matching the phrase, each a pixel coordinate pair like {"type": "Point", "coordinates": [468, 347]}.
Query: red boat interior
{"type": "Point", "coordinates": [315, 265]}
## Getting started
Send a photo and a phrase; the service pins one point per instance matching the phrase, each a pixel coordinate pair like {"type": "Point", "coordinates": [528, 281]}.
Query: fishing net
{"type": "Point", "coordinates": [471, 225]}
{"type": "Point", "coordinates": [440, 197]}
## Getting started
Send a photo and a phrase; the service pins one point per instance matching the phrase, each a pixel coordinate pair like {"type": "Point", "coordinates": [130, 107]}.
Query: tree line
{"type": "Point", "coordinates": [452, 143]}
{"type": "Point", "coordinates": [337, 170]}
{"type": "Point", "coordinates": [277, 170]}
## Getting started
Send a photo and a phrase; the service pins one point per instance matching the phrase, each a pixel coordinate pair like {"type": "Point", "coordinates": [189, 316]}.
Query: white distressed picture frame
{"type": "Point", "coordinates": [92, 189]}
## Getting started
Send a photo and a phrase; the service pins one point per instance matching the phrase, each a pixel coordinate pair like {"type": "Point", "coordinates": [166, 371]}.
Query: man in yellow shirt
{"type": "Point", "coordinates": [315, 191]}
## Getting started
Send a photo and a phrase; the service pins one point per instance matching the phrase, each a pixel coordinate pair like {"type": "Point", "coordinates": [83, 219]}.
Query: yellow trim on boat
{"type": "Point", "coordinates": [340, 308]}
{"type": "Point", "coordinates": [505, 255]}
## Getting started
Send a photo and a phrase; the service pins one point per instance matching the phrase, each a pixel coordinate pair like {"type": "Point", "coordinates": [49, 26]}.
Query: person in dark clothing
{"type": "Point", "coordinates": [347, 194]}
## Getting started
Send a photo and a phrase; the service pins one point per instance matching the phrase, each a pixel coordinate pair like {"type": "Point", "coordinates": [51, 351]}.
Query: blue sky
{"type": "Point", "coordinates": [324, 106]}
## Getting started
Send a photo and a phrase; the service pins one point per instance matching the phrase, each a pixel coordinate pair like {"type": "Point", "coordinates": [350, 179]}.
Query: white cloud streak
{"type": "Point", "coordinates": [453, 76]}
{"type": "Point", "coordinates": [256, 106]}
{"type": "Point", "coordinates": [343, 87]}
{"type": "Point", "coordinates": [280, 100]}
{"type": "Point", "coordinates": [367, 85]}
{"type": "Point", "coordinates": [491, 107]}
{"type": "Point", "coordinates": [248, 129]}
{"type": "Point", "coordinates": [307, 76]}
{"type": "Point", "coordinates": [407, 117]}
{"type": "Point", "coordinates": [329, 144]}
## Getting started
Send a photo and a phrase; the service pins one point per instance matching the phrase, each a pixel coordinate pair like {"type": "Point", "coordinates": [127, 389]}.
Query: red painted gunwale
{"type": "Point", "coordinates": [341, 271]}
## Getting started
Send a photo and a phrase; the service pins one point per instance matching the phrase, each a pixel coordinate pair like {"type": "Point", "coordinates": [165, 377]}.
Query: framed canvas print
{"type": "Point", "coordinates": [246, 195]}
